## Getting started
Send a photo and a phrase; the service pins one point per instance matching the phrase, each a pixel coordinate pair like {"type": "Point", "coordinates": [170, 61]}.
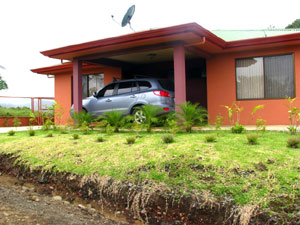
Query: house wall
{"type": "Point", "coordinates": [63, 89]}
{"type": "Point", "coordinates": [221, 88]}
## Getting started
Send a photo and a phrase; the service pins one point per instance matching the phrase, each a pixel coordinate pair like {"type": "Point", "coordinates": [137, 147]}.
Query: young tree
{"type": "Point", "coordinates": [295, 24]}
{"type": "Point", "coordinates": [3, 84]}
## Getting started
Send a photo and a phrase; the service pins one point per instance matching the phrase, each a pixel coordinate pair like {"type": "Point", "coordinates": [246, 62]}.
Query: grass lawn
{"type": "Point", "coordinates": [249, 174]}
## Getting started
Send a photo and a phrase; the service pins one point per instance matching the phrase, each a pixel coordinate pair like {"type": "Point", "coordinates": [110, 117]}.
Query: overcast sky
{"type": "Point", "coordinates": [30, 26]}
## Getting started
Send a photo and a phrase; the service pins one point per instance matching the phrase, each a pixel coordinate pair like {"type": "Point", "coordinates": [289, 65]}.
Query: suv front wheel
{"type": "Point", "coordinates": [139, 115]}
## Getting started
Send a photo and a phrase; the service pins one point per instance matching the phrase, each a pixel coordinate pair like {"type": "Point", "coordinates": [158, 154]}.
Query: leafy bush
{"type": "Point", "coordinates": [293, 142]}
{"type": "Point", "coordinates": [237, 128]}
{"type": "Point", "coordinates": [191, 114]}
{"type": "Point", "coordinates": [100, 139]}
{"type": "Point", "coordinates": [252, 139]}
{"type": "Point", "coordinates": [31, 132]}
{"type": "Point", "coordinates": [219, 122]}
{"type": "Point", "coordinates": [75, 136]}
{"type": "Point", "coordinates": [294, 115]}
{"type": "Point", "coordinates": [80, 117]}
{"type": "Point", "coordinates": [210, 138]}
{"type": "Point", "coordinates": [49, 134]}
{"type": "Point", "coordinates": [63, 131]}
{"type": "Point", "coordinates": [109, 129]}
{"type": "Point", "coordinates": [150, 111]}
{"type": "Point", "coordinates": [261, 125]}
{"type": "Point", "coordinates": [168, 138]}
{"type": "Point", "coordinates": [115, 119]}
{"type": "Point", "coordinates": [49, 124]}
{"type": "Point", "coordinates": [130, 140]}
{"type": "Point", "coordinates": [84, 128]}
{"type": "Point", "coordinates": [11, 133]}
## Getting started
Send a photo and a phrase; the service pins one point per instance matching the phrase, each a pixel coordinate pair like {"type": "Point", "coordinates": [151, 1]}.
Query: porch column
{"type": "Point", "coordinates": [179, 73]}
{"type": "Point", "coordinates": [77, 85]}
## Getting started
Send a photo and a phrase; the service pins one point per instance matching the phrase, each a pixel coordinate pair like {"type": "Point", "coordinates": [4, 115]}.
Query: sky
{"type": "Point", "coordinates": [28, 27]}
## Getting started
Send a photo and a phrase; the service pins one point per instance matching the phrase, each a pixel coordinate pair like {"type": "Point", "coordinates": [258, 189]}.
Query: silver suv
{"type": "Point", "coordinates": [129, 95]}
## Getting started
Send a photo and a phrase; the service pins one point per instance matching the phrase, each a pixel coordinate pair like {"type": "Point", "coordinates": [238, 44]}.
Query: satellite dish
{"type": "Point", "coordinates": [128, 16]}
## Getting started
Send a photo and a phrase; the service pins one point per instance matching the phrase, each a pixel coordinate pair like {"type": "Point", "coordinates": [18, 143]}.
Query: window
{"type": "Point", "coordinates": [107, 91]}
{"type": "Point", "coordinates": [265, 77]}
{"type": "Point", "coordinates": [127, 87]}
{"type": "Point", "coordinates": [91, 84]}
{"type": "Point", "coordinates": [144, 85]}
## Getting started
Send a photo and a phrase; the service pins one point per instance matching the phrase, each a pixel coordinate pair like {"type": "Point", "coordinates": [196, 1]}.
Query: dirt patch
{"type": "Point", "coordinates": [147, 202]}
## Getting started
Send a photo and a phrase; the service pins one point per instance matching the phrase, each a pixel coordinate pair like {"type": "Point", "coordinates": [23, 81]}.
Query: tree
{"type": "Point", "coordinates": [295, 24]}
{"type": "Point", "coordinates": [3, 84]}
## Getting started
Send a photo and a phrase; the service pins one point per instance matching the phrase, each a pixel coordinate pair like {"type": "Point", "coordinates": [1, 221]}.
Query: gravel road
{"type": "Point", "coordinates": [22, 205]}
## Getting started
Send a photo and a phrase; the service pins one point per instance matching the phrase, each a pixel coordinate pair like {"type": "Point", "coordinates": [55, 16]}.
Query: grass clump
{"type": "Point", "coordinates": [49, 134]}
{"type": "Point", "coordinates": [130, 140]}
{"type": "Point", "coordinates": [11, 133]}
{"type": "Point", "coordinates": [100, 139]}
{"type": "Point", "coordinates": [210, 138]}
{"type": "Point", "coordinates": [31, 133]}
{"type": "Point", "coordinates": [293, 142]}
{"type": "Point", "coordinates": [252, 139]}
{"type": "Point", "coordinates": [237, 129]}
{"type": "Point", "coordinates": [75, 136]}
{"type": "Point", "coordinates": [168, 138]}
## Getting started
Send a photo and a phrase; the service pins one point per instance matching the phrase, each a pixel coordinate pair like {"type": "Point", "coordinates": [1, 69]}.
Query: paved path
{"type": "Point", "coordinates": [270, 127]}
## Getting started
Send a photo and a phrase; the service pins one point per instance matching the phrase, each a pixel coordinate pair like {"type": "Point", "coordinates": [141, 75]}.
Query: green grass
{"type": "Point", "coordinates": [249, 174]}
{"type": "Point", "coordinates": [24, 111]}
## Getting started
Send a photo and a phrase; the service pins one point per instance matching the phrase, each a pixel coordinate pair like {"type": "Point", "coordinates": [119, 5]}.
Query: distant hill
{"type": "Point", "coordinates": [24, 102]}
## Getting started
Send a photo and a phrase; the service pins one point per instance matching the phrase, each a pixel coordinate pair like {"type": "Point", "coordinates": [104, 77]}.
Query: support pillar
{"type": "Point", "coordinates": [77, 85]}
{"type": "Point", "coordinates": [179, 73]}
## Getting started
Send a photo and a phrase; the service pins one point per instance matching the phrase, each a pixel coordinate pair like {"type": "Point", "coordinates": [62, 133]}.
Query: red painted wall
{"type": "Point", "coordinates": [221, 88]}
{"type": "Point", "coordinates": [63, 87]}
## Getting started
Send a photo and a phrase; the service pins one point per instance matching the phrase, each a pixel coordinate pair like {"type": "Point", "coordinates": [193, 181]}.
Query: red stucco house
{"type": "Point", "coordinates": [205, 68]}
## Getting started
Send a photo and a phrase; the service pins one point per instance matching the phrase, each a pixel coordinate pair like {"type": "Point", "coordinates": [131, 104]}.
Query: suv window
{"type": "Point", "coordinates": [127, 87]}
{"type": "Point", "coordinates": [107, 91]}
{"type": "Point", "coordinates": [144, 85]}
{"type": "Point", "coordinates": [166, 84]}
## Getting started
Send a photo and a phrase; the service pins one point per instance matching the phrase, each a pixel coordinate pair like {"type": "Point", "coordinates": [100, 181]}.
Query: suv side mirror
{"type": "Point", "coordinates": [95, 94]}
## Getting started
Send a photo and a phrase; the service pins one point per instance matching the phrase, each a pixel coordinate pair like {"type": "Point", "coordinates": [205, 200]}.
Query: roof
{"type": "Point", "coordinates": [233, 35]}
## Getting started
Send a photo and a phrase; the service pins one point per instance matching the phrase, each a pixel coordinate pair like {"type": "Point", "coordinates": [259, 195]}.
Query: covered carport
{"type": "Point", "coordinates": [178, 53]}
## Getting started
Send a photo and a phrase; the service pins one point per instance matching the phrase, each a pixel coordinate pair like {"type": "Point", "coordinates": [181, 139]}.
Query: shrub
{"type": "Point", "coordinates": [63, 131]}
{"type": "Point", "coordinates": [294, 115]}
{"type": "Point", "coordinates": [261, 125]}
{"type": "Point", "coordinates": [11, 133]}
{"type": "Point", "coordinates": [191, 114]}
{"type": "Point", "coordinates": [293, 142]}
{"type": "Point", "coordinates": [168, 138]}
{"type": "Point", "coordinates": [150, 112]}
{"type": "Point", "coordinates": [48, 125]}
{"type": "Point", "coordinates": [109, 129]}
{"type": "Point", "coordinates": [219, 122]}
{"type": "Point", "coordinates": [210, 138]}
{"type": "Point", "coordinates": [237, 128]}
{"type": "Point", "coordinates": [75, 136]}
{"type": "Point", "coordinates": [130, 140]}
{"type": "Point", "coordinates": [115, 119]}
{"type": "Point", "coordinates": [31, 132]}
{"type": "Point", "coordinates": [84, 128]}
{"type": "Point", "coordinates": [252, 139]}
{"type": "Point", "coordinates": [80, 117]}
{"type": "Point", "coordinates": [99, 139]}
{"type": "Point", "coordinates": [49, 134]}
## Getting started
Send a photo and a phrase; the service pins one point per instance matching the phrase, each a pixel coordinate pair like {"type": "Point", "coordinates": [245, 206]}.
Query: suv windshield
{"type": "Point", "coordinates": [167, 84]}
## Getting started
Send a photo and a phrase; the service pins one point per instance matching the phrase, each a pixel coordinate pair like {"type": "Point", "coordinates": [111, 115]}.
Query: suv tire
{"type": "Point", "coordinates": [139, 115]}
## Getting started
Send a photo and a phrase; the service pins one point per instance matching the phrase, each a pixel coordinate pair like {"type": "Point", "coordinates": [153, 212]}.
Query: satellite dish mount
{"type": "Point", "coordinates": [127, 17]}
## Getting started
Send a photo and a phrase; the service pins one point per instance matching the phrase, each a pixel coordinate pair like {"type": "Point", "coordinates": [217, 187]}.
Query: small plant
{"type": "Point", "coordinates": [84, 128]}
{"type": "Point", "coordinates": [252, 139]}
{"type": "Point", "coordinates": [261, 125]}
{"type": "Point", "coordinates": [219, 122]}
{"type": "Point", "coordinates": [11, 133]}
{"type": "Point", "coordinates": [63, 131]}
{"type": "Point", "coordinates": [234, 108]}
{"type": "Point", "coordinates": [31, 132]}
{"type": "Point", "coordinates": [47, 125]}
{"type": "Point", "coordinates": [130, 140]}
{"type": "Point", "coordinates": [100, 139]}
{"type": "Point", "coordinates": [49, 134]}
{"type": "Point", "coordinates": [190, 115]}
{"type": "Point", "coordinates": [150, 112]}
{"type": "Point", "coordinates": [210, 138]}
{"type": "Point", "coordinates": [16, 122]}
{"type": "Point", "coordinates": [75, 136]}
{"type": "Point", "coordinates": [293, 142]}
{"type": "Point", "coordinates": [109, 129]}
{"type": "Point", "coordinates": [294, 115]}
{"type": "Point", "coordinates": [237, 128]}
{"type": "Point", "coordinates": [168, 138]}
{"type": "Point", "coordinates": [115, 119]}
{"type": "Point", "coordinates": [80, 117]}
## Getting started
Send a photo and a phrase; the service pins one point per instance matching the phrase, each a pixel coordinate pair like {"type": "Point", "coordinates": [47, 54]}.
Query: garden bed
{"type": "Point", "coordinates": [189, 181]}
